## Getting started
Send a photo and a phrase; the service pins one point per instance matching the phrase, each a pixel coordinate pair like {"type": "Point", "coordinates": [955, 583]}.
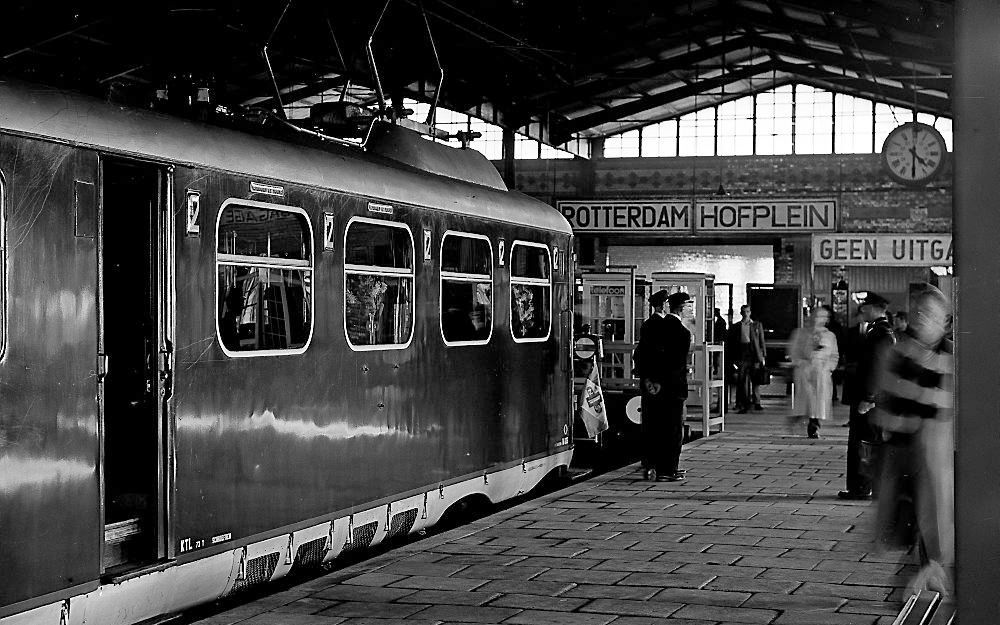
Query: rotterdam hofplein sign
{"type": "Point", "coordinates": [666, 217]}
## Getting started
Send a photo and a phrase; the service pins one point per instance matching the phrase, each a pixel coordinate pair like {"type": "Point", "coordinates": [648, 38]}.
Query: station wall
{"type": "Point", "coordinates": [868, 201]}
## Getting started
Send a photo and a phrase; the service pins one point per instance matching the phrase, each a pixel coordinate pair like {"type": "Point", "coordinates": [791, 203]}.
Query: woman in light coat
{"type": "Point", "coordinates": [814, 354]}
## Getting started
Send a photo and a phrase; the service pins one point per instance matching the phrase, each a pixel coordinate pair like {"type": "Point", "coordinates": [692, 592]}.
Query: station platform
{"type": "Point", "coordinates": [756, 534]}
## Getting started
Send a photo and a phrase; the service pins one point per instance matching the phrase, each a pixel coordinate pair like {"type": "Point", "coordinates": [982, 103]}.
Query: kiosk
{"type": "Point", "coordinates": [613, 304]}
{"type": "Point", "coordinates": [707, 359]}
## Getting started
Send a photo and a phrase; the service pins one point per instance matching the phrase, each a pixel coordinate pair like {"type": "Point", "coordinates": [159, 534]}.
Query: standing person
{"type": "Point", "coordinates": [917, 386]}
{"type": "Point", "coordinates": [863, 388]}
{"type": "Point", "coordinates": [815, 355]}
{"type": "Point", "coordinates": [747, 350]}
{"type": "Point", "coordinates": [900, 321]}
{"type": "Point", "coordinates": [663, 349]}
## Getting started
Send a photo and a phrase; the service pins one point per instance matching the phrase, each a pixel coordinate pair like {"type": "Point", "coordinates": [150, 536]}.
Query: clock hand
{"type": "Point", "coordinates": [913, 162]}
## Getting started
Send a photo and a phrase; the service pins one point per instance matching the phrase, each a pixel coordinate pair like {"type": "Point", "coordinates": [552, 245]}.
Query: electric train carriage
{"type": "Point", "coordinates": [227, 356]}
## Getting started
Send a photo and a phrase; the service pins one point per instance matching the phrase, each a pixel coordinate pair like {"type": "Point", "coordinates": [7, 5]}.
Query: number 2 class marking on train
{"type": "Point", "coordinates": [427, 244]}
{"type": "Point", "coordinates": [328, 231]}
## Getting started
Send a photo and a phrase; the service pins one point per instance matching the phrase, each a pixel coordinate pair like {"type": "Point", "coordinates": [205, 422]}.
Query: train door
{"type": "Point", "coordinates": [134, 344]}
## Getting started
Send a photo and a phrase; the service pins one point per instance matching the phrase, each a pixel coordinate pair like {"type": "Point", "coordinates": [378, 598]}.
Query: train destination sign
{"type": "Point", "coordinates": [674, 216]}
{"type": "Point", "coordinates": [899, 250]}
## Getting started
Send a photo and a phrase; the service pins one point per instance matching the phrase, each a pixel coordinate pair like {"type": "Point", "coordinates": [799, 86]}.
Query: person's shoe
{"type": "Point", "coordinates": [650, 474]}
{"type": "Point", "coordinates": [852, 496]}
{"type": "Point", "coordinates": [813, 435]}
{"type": "Point", "coordinates": [741, 410]}
{"type": "Point", "coordinates": [676, 477]}
{"type": "Point", "coordinates": [758, 407]}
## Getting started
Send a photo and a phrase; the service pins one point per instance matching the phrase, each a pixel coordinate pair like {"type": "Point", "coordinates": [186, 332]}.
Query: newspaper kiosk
{"type": "Point", "coordinates": [707, 359]}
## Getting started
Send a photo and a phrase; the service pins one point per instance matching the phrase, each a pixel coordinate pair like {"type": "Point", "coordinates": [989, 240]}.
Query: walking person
{"type": "Point", "coordinates": [664, 343]}
{"type": "Point", "coordinates": [917, 464]}
{"type": "Point", "coordinates": [863, 389]}
{"type": "Point", "coordinates": [814, 354]}
{"type": "Point", "coordinates": [747, 350]}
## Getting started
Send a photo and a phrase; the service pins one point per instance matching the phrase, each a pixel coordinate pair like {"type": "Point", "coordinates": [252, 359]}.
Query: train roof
{"type": "Point", "coordinates": [53, 114]}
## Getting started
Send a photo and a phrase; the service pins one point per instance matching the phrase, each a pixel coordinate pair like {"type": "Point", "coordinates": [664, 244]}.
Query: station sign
{"type": "Point", "coordinates": [715, 217]}
{"type": "Point", "coordinates": [895, 250]}
{"type": "Point", "coordinates": [601, 289]}
{"type": "Point", "coordinates": [751, 215]}
{"type": "Point", "coordinates": [640, 216]}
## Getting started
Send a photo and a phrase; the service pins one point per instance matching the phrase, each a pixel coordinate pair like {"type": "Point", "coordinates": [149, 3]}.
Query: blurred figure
{"type": "Point", "coordinates": [746, 350]}
{"type": "Point", "coordinates": [813, 352]}
{"type": "Point", "coordinates": [863, 388]}
{"type": "Point", "coordinates": [917, 476]}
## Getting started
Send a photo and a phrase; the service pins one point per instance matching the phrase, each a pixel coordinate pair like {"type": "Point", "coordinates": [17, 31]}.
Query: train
{"type": "Point", "coordinates": [227, 356]}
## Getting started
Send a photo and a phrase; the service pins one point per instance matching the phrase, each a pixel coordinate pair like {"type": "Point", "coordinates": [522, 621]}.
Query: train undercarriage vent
{"type": "Point", "coordinates": [361, 537]}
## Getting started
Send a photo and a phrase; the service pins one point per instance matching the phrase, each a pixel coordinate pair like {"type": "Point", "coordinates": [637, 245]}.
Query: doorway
{"type": "Point", "coordinates": [132, 371]}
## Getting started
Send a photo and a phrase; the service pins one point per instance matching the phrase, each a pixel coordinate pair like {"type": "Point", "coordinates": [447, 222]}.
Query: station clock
{"type": "Point", "coordinates": [914, 153]}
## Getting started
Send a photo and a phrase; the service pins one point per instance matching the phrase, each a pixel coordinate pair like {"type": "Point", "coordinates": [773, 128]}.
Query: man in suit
{"type": "Point", "coordinates": [663, 349]}
{"type": "Point", "coordinates": [747, 350]}
{"type": "Point", "coordinates": [862, 390]}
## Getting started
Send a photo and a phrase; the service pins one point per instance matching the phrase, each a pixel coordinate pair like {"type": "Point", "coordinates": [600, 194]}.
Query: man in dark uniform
{"type": "Point", "coordinates": [663, 355]}
{"type": "Point", "coordinates": [862, 388]}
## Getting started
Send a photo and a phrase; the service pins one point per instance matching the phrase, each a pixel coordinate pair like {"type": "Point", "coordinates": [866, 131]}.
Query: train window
{"type": "Point", "coordinates": [378, 284]}
{"type": "Point", "coordinates": [466, 289]}
{"type": "Point", "coordinates": [530, 291]}
{"type": "Point", "coordinates": [265, 295]}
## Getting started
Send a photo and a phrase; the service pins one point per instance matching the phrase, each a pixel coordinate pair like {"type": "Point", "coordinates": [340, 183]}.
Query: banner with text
{"type": "Point", "coordinates": [636, 216]}
{"type": "Point", "coordinates": [766, 216]}
{"type": "Point", "coordinates": [670, 216]}
{"type": "Point", "coordinates": [900, 250]}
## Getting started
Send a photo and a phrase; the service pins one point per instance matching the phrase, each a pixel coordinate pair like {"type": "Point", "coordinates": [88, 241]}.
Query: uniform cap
{"type": "Point", "coordinates": [657, 299]}
{"type": "Point", "coordinates": [874, 299]}
{"type": "Point", "coordinates": [677, 299]}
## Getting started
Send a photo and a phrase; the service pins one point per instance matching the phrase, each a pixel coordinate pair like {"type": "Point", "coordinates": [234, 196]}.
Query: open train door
{"type": "Point", "coordinates": [134, 361]}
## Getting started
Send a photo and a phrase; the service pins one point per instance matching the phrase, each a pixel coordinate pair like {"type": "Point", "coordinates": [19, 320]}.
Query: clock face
{"type": "Point", "coordinates": [914, 153]}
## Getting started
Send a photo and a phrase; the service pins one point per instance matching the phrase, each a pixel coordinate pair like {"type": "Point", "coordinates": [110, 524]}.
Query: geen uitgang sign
{"type": "Point", "coordinates": [917, 250]}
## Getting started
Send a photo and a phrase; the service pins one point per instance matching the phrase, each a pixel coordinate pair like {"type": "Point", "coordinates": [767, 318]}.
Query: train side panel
{"type": "Point", "coordinates": [267, 442]}
{"type": "Point", "coordinates": [50, 524]}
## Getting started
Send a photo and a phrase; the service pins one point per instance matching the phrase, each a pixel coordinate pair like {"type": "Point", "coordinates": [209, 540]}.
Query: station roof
{"type": "Point", "coordinates": [588, 67]}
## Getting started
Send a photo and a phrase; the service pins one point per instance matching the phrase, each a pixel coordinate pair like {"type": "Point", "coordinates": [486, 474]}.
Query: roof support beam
{"type": "Point", "coordinates": [877, 15]}
{"type": "Point", "coordinates": [624, 78]}
{"type": "Point", "coordinates": [931, 56]}
{"type": "Point", "coordinates": [644, 104]}
{"type": "Point", "coordinates": [889, 94]}
{"type": "Point", "coordinates": [878, 68]}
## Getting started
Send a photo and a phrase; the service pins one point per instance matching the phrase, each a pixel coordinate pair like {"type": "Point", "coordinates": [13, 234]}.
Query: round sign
{"type": "Point", "coordinates": [633, 410]}
{"type": "Point", "coordinates": [585, 347]}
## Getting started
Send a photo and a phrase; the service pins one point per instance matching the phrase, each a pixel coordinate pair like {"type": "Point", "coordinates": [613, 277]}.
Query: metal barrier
{"type": "Point", "coordinates": [926, 608]}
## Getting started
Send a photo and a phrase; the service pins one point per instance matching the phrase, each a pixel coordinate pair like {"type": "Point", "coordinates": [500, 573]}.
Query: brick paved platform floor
{"type": "Point", "coordinates": [755, 534]}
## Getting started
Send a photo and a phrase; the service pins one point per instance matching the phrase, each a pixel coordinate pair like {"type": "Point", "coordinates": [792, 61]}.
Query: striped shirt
{"type": "Point", "coordinates": [918, 379]}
